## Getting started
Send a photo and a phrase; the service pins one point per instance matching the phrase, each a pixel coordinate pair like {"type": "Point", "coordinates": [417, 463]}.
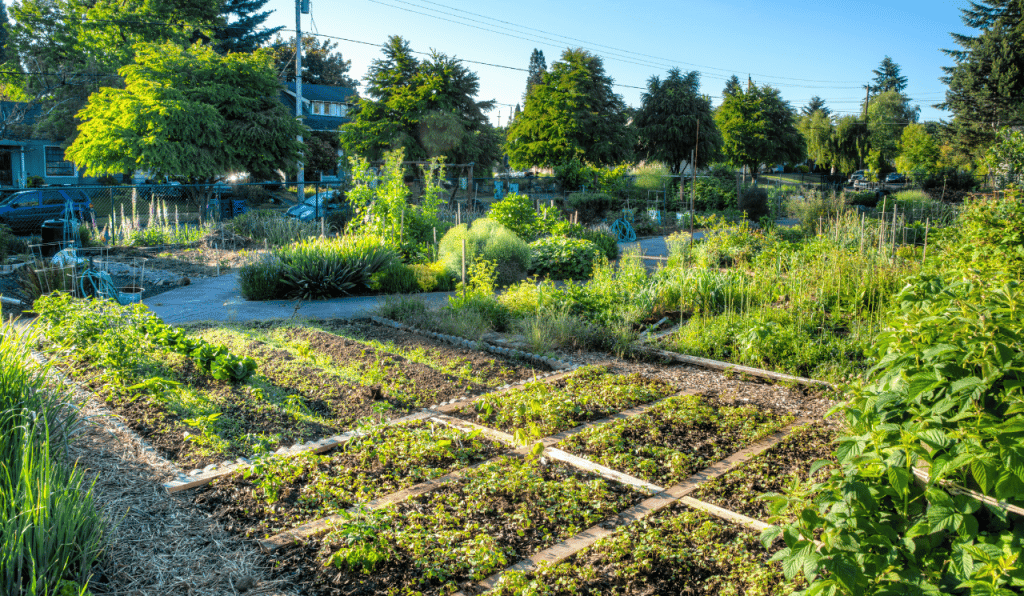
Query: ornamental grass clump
{"type": "Point", "coordinates": [488, 240]}
{"type": "Point", "coordinates": [319, 268]}
{"type": "Point", "coordinates": [51, 533]}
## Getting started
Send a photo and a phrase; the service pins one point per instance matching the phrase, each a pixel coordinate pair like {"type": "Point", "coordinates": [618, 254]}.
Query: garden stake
{"type": "Point", "coordinates": [463, 269]}
{"type": "Point", "coordinates": [924, 252]}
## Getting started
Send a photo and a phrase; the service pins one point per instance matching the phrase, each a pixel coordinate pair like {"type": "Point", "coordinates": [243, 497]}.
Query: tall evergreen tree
{"type": "Point", "coordinates": [888, 77]}
{"type": "Point", "coordinates": [535, 75]}
{"type": "Point", "coordinates": [986, 85]}
{"type": "Point", "coordinates": [666, 123]}
{"type": "Point", "coordinates": [732, 86]}
{"type": "Point", "coordinates": [321, 64]}
{"type": "Point", "coordinates": [244, 31]}
{"type": "Point", "coordinates": [816, 104]}
{"type": "Point", "coordinates": [574, 114]}
{"type": "Point", "coordinates": [429, 108]}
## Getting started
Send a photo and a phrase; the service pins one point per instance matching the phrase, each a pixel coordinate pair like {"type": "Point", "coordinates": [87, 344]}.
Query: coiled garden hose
{"type": "Point", "coordinates": [624, 230]}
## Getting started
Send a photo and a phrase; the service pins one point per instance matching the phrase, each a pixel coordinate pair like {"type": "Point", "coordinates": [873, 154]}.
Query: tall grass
{"type": "Point", "coordinates": [272, 227]}
{"type": "Point", "coordinates": [50, 531]}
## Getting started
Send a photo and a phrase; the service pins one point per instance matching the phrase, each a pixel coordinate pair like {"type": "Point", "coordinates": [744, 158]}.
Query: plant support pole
{"type": "Point", "coordinates": [463, 269]}
{"type": "Point", "coordinates": [301, 174]}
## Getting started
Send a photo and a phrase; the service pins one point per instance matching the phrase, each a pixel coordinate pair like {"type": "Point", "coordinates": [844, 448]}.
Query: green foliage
{"type": "Point", "coordinates": [816, 206]}
{"type": "Point", "coordinates": [489, 240]}
{"type": "Point", "coordinates": [754, 202]}
{"type": "Point", "coordinates": [432, 277]}
{"type": "Point", "coordinates": [757, 128]}
{"type": "Point", "coordinates": [51, 532]}
{"type": "Point", "coordinates": [543, 409]}
{"type": "Point", "coordinates": [188, 113]}
{"type": "Point", "coordinates": [563, 258]}
{"type": "Point", "coordinates": [574, 114]}
{"type": "Point", "coordinates": [989, 237]}
{"type": "Point", "coordinates": [516, 212]}
{"type": "Point", "coordinates": [10, 244]}
{"type": "Point", "coordinates": [260, 278]}
{"type": "Point", "coordinates": [667, 121]}
{"type": "Point", "coordinates": [985, 83]}
{"type": "Point", "coordinates": [941, 398]}
{"type": "Point", "coordinates": [260, 225]}
{"type": "Point", "coordinates": [399, 278]}
{"type": "Point", "coordinates": [322, 64]}
{"type": "Point", "coordinates": [380, 202]}
{"type": "Point", "coordinates": [656, 447]}
{"type": "Point", "coordinates": [428, 108]}
{"type": "Point", "coordinates": [591, 206]}
{"type": "Point", "coordinates": [719, 557]}
{"type": "Point", "coordinates": [888, 114]}
{"type": "Point", "coordinates": [331, 267]}
{"type": "Point", "coordinates": [711, 194]}
{"type": "Point", "coordinates": [605, 240]}
{"type": "Point", "coordinates": [1005, 159]}
{"type": "Point", "coordinates": [918, 152]}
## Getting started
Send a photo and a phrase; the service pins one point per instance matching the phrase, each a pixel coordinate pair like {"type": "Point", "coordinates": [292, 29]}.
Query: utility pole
{"type": "Point", "coordinates": [301, 7]}
{"type": "Point", "coordinates": [693, 186]}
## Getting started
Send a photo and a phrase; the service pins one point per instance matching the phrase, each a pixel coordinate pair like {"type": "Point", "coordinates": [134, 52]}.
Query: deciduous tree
{"type": "Point", "coordinates": [189, 113]}
{"type": "Point", "coordinates": [758, 127]}
{"type": "Point", "coordinates": [574, 114]}
{"type": "Point", "coordinates": [919, 153]}
{"type": "Point", "coordinates": [666, 123]}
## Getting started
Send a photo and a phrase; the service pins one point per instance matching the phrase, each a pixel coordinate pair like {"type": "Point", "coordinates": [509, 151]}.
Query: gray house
{"type": "Point", "coordinates": [24, 154]}
{"type": "Point", "coordinates": [324, 107]}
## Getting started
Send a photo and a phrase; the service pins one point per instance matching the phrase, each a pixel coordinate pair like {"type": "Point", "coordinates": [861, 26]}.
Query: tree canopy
{"type": "Point", "coordinates": [816, 104]}
{"type": "Point", "coordinates": [68, 49]}
{"type": "Point", "coordinates": [666, 123]}
{"type": "Point", "coordinates": [321, 64]}
{"type": "Point", "coordinates": [919, 153]}
{"type": "Point", "coordinates": [758, 127]}
{"type": "Point", "coordinates": [986, 84]}
{"type": "Point", "coordinates": [732, 86]}
{"type": "Point", "coordinates": [429, 108]}
{"type": "Point", "coordinates": [888, 113]}
{"type": "Point", "coordinates": [188, 113]}
{"type": "Point", "coordinates": [535, 74]}
{"type": "Point", "coordinates": [574, 114]}
{"type": "Point", "coordinates": [243, 30]}
{"type": "Point", "coordinates": [888, 77]}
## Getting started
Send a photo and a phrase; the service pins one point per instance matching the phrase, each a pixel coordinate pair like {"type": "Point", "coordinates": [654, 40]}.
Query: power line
{"type": "Point", "coordinates": [667, 60]}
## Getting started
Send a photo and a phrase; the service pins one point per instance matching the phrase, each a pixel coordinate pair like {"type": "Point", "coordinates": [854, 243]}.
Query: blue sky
{"type": "Point", "coordinates": [827, 49]}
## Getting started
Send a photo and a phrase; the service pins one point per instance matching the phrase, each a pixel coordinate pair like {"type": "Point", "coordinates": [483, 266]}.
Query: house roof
{"type": "Point", "coordinates": [323, 92]}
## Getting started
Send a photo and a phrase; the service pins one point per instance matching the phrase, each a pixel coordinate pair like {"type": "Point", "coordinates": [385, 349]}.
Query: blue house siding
{"type": "Point", "coordinates": [320, 97]}
{"type": "Point", "coordinates": [22, 155]}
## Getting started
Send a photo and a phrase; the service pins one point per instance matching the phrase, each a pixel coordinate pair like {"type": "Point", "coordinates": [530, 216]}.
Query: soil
{"type": "Point", "coordinates": [498, 370]}
{"type": "Point", "coordinates": [638, 445]}
{"type": "Point", "coordinates": [165, 431]}
{"type": "Point", "coordinates": [233, 500]}
{"type": "Point", "coordinates": [585, 410]}
{"type": "Point", "coordinates": [770, 472]}
{"type": "Point", "coordinates": [801, 401]}
{"type": "Point", "coordinates": [154, 545]}
{"type": "Point", "coordinates": [303, 564]}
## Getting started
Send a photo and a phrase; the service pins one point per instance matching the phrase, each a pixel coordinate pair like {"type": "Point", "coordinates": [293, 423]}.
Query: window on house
{"type": "Point", "coordinates": [56, 165]}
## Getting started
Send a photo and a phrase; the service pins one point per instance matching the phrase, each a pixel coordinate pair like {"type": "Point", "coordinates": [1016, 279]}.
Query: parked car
{"type": "Point", "coordinates": [895, 178]}
{"type": "Point", "coordinates": [857, 176]}
{"type": "Point", "coordinates": [324, 202]}
{"type": "Point", "coordinates": [26, 210]}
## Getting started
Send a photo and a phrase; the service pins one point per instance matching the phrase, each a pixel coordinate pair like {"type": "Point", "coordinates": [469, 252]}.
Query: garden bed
{"type": "Point", "coordinates": [771, 472]}
{"type": "Point", "coordinates": [494, 516]}
{"type": "Point", "coordinates": [674, 439]}
{"type": "Point", "coordinates": [677, 551]}
{"type": "Point", "coordinates": [543, 409]}
{"type": "Point", "coordinates": [280, 493]}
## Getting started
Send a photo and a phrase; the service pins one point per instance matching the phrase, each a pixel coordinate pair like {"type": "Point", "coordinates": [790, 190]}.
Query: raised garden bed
{"type": "Point", "coordinates": [297, 393]}
{"type": "Point", "coordinates": [677, 551]}
{"type": "Point", "coordinates": [674, 439]}
{"type": "Point", "coordinates": [279, 493]}
{"type": "Point", "coordinates": [541, 409]}
{"type": "Point", "coordinates": [494, 516]}
{"type": "Point", "coordinates": [773, 472]}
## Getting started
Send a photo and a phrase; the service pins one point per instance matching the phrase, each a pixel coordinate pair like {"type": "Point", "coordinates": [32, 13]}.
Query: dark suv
{"type": "Point", "coordinates": [26, 210]}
